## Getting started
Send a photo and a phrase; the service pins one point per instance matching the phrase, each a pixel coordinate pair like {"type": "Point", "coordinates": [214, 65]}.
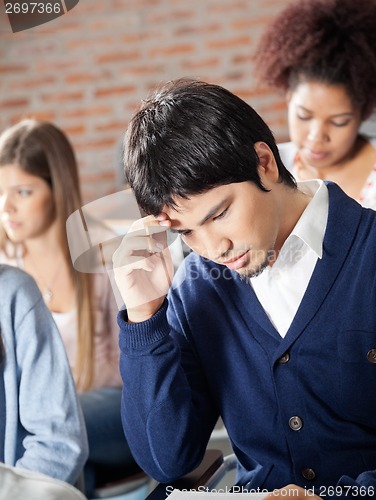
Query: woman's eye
{"type": "Point", "coordinates": [303, 117]}
{"type": "Point", "coordinates": [24, 192]}
{"type": "Point", "coordinates": [341, 124]}
{"type": "Point", "coordinates": [185, 234]}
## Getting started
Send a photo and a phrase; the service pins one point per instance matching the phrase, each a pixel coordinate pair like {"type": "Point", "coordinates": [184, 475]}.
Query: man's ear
{"type": "Point", "coordinates": [267, 164]}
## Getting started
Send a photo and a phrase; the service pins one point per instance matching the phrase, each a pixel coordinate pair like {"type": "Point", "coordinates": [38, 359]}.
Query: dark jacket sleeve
{"type": "Point", "coordinates": [167, 410]}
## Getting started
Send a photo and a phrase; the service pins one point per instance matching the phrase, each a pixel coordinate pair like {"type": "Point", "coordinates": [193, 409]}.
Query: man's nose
{"type": "Point", "coordinates": [214, 247]}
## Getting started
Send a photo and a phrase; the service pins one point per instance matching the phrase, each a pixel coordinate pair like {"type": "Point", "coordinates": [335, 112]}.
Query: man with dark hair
{"type": "Point", "coordinates": [268, 321]}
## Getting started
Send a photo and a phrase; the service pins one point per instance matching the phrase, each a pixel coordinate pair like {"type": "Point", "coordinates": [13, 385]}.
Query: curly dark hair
{"type": "Point", "coordinates": [330, 41]}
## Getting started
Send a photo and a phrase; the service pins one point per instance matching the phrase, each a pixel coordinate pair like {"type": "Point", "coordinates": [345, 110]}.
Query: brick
{"type": "Point", "coordinates": [88, 70]}
{"type": "Point", "coordinates": [48, 116]}
{"type": "Point", "coordinates": [142, 70]}
{"type": "Point", "coordinates": [97, 143]}
{"type": "Point", "coordinates": [117, 126]}
{"type": "Point", "coordinates": [101, 176]}
{"type": "Point", "coordinates": [203, 63]}
{"type": "Point", "coordinates": [75, 130]}
{"type": "Point", "coordinates": [12, 68]}
{"type": "Point", "coordinates": [171, 16]}
{"type": "Point", "coordinates": [86, 77]}
{"type": "Point", "coordinates": [118, 57]}
{"type": "Point", "coordinates": [63, 96]}
{"type": "Point", "coordinates": [36, 83]}
{"type": "Point", "coordinates": [110, 91]}
{"type": "Point", "coordinates": [53, 67]}
{"type": "Point", "coordinates": [14, 103]}
{"type": "Point", "coordinates": [230, 7]}
{"type": "Point", "coordinates": [172, 50]}
{"type": "Point", "coordinates": [135, 37]}
{"type": "Point", "coordinates": [198, 30]}
{"type": "Point", "coordinates": [89, 43]}
{"type": "Point", "coordinates": [85, 113]}
{"type": "Point", "coordinates": [276, 106]}
{"type": "Point", "coordinates": [228, 43]}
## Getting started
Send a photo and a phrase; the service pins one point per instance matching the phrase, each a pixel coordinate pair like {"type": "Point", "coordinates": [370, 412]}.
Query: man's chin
{"type": "Point", "coordinates": [247, 273]}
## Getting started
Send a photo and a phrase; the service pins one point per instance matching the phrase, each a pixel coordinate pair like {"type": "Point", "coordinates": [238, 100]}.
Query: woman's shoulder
{"type": "Point", "coordinates": [287, 152]}
{"type": "Point", "coordinates": [14, 276]}
{"type": "Point", "coordinates": [11, 255]}
{"type": "Point", "coordinates": [371, 140]}
{"type": "Point", "coordinates": [15, 281]}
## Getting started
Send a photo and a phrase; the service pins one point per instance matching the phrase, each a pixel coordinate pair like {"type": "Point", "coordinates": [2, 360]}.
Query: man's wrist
{"type": "Point", "coordinates": [139, 315]}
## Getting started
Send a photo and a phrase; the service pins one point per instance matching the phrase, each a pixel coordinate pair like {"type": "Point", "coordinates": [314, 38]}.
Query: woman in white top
{"type": "Point", "coordinates": [39, 189]}
{"type": "Point", "coordinates": [322, 55]}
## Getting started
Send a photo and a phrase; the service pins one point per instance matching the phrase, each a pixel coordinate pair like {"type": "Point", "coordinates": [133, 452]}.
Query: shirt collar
{"type": "Point", "coordinates": [311, 226]}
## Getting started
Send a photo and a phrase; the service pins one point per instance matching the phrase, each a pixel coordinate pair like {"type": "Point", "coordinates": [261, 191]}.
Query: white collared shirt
{"type": "Point", "coordinates": [280, 288]}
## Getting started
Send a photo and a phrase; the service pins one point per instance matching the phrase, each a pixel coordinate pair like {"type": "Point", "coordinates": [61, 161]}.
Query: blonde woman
{"type": "Point", "coordinates": [39, 189]}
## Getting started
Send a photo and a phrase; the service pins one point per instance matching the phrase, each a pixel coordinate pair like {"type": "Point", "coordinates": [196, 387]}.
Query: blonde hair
{"type": "Point", "coordinates": [43, 150]}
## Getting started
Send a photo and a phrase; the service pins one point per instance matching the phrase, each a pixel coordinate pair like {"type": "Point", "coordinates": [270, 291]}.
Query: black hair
{"type": "Point", "coordinates": [190, 136]}
{"type": "Point", "coordinates": [329, 41]}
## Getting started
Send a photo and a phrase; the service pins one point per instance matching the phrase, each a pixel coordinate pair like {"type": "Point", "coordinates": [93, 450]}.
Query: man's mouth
{"type": "Point", "coordinates": [237, 262]}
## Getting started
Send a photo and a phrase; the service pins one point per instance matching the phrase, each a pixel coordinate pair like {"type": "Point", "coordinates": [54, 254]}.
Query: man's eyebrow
{"type": "Point", "coordinates": [208, 216]}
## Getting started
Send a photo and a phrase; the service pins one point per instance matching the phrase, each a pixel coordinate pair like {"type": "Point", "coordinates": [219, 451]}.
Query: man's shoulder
{"type": "Point", "coordinates": [349, 223]}
{"type": "Point", "coordinates": [339, 200]}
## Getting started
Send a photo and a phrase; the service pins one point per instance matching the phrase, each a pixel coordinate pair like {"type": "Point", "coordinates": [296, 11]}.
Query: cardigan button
{"type": "Point", "coordinates": [371, 356]}
{"type": "Point", "coordinates": [284, 359]}
{"type": "Point", "coordinates": [309, 474]}
{"type": "Point", "coordinates": [295, 423]}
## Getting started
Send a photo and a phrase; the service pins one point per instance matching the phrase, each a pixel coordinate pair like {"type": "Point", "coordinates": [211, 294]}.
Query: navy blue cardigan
{"type": "Point", "coordinates": [299, 409]}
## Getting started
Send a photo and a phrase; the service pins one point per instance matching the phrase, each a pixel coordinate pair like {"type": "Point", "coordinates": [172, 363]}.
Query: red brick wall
{"type": "Point", "coordinates": [87, 70]}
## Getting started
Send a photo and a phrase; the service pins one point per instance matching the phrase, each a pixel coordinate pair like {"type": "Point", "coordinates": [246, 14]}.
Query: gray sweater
{"type": "Point", "coordinates": [44, 428]}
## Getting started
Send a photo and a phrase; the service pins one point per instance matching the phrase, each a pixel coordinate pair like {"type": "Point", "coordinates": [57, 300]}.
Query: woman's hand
{"type": "Point", "coordinates": [303, 171]}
